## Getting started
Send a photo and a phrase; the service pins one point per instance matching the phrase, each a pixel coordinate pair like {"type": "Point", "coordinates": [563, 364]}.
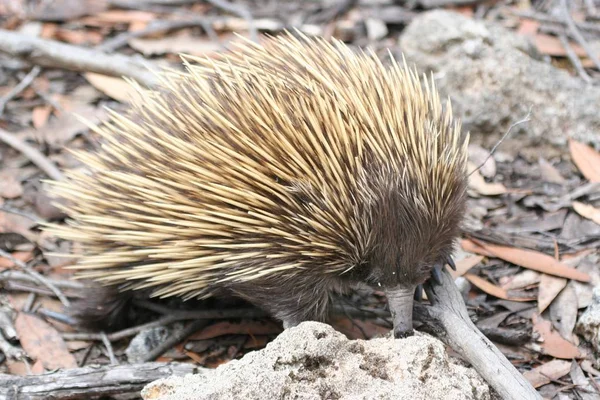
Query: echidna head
{"type": "Point", "coordinates": [416, 219]}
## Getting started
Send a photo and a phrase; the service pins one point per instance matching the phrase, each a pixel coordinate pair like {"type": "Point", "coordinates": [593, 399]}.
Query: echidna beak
{"type": "Point", "coordinates": [400, 301]}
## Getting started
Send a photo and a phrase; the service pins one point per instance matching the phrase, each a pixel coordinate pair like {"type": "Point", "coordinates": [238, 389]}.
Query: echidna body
{"type": "Point", "coordinates": [277, 174]}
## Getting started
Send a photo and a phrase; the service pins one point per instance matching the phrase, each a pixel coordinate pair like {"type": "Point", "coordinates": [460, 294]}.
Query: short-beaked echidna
{"type": "Point", "coordinates": [277, 173]}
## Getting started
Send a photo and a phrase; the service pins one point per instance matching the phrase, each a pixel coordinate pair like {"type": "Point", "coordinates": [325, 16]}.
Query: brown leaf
{"type": "Point", "coordinates": [533, 260]}
{"type": "Point", "coordinates": [472, 247]}
{"type": "Point", "coordinates": [244, 327]}
{"type": "Point", "coordinates": [464, 265]}
{"type": "Point", "coordinates": [550, 287]}
{"type": "Point", "coordinates": [477, 182]}
{"type": "Point", "coordinates": [553, 344]}
{"type": "Point", "coordinates": [528, 27]}
{"type": "Point", "coordinates": [42, 342]}
{"type": "Point", "coordinates": [543, 374]}
{"type": "Point", "coordinates": [40, 116]}
{"type": "Point", "coordinates": [551, 45]}
{"type": "Point", "coordinates": [586, 159]}
{"type": "Point", "coordinates": [492, 289]}
{"type": "Point", "coordinates": [116, 88]}
{"type": "Point", "coordinates": [587, 211]}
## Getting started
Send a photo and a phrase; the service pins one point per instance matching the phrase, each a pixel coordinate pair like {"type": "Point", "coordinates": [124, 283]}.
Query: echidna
{"type": "Point", "coordinates": [277, 173]}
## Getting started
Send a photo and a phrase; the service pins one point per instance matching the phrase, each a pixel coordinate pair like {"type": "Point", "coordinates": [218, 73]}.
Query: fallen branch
{"type": "Point", "coordinates": [89, 382]}
{"type": "Point", "coordinates": [33, 154]}
{"type": "Point", "coordinates": [448, 320]}
{"type": "Point", "coordinates": [53, 54]}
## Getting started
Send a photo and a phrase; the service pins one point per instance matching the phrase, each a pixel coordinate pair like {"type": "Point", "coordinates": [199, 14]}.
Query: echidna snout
{"type": "Point", "coordinates": [276, 173]}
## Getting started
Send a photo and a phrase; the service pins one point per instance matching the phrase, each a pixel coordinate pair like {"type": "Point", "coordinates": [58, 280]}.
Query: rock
{"type": "Point", "coordinates": [588, 324]}
{"type": "Point", "coordinates": [494, 76]}
{"type": "Point", "coordinates": [313, 361]}
{"type": "Point", "coordinates": [146, 341]}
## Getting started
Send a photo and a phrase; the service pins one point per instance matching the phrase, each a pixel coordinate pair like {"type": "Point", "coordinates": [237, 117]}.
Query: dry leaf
{"type": "Point", "coordinates": [521, 280]}
{"type": "Point", "coordinates": [40, 116]}
{"type": "Point", "coordinates": [563, 313]}
{"type": "Point", "coordinates": [477, 182]}
{"type": "Point", "coordinates": [549, 173]}
{"type": "Point", "coordinates": [552, 46]}
{"type": "Point", "coordinates": [553, 344]}
{"type": "Point", "coordinates": [245, 327]}
{"type": "Point", "coordinates": [550, 287]}
{"type": "Point", "coordinates": [10, 186]}
{"type": "Point", "coordinates": [464, 265]}
{"type": "Point", "coordinates": [586, 159]}
{"type": "Point", "coordinates": [61, 130]}
{"type": "Point", "coordinates": [587, 211]}
{"type": "Point", "coordinates": [472, 247]}
{"type": "Point", "coordinates": [543, 374]}
{"type": "Point", "coordinates": [492, 289]}
{"type": "Point", "coordinates": [528, 27]}
{"type": "Point", "coordinates": [42, 342]}
{"type": "Point", "coordinates": [177, 44]}
{"type": "Point", "coordinates": [116, 88]}
{"type": "Point", "coordinates": [24, 256]}
{"type": "Point", "coordinates": [534, 260]}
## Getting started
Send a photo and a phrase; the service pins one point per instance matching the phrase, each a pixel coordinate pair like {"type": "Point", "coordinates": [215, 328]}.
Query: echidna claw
{"type": "Point", "coordinates": [451, 263]}
{"type": "Point", "coordinates": [419, 293]}
{"type": "Point", "coordinates": [436, 274]}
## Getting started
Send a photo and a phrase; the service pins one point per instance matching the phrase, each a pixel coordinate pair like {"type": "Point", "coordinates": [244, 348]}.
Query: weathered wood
{"type": "Point", "coordinates": [89, 382]}
{"type": "Point", "coordinates": [447, 319]}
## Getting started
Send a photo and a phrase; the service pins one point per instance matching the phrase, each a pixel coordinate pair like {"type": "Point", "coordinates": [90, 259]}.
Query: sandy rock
{"type": "Point", "coordinates": [494, 76]}
{"type": "Point", "coordinates": [313, 361]}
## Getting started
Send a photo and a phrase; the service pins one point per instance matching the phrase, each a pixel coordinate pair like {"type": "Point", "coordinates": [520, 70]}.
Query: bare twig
{"type": "Point", "coordinates": [25, 214]}
{"type": "Point", "coordinates": [33, 154]}
{"type": "Point", "coordinates": [9, 275]}
{"type": "Point", "coordinates": [51, 53]}
{"type": "Point", "coordinates": [36, 275]}
{"type": "Point", "coordinates": [154, 27]}
{"type": "Point", "coordinates": [109, 349]}
{"type": "Point", "coordinates": [586, 26]}
{"type": "Point", "coordinates": [574, 59]}
{"type": "Point", "coordinates": [576, 34]}
{"type": "Point", "coordinates": [427, 4]}
{"type": "Point", "coordinates": [522, 121]}
{"type": "Point", "coordinates": [25, 82]}
{"type": "Point", "coordinates": [240, 11]}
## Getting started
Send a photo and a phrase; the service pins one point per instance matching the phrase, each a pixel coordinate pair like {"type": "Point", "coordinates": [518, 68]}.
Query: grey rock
{"type": "Point", "coordinates": [146, 341]}
{"type": "Point", "coordinates": [493, 77]}
{"type": "Point", "coordinates": [588, 324]}
{"type": "Point", "coordinates": [313, 361]}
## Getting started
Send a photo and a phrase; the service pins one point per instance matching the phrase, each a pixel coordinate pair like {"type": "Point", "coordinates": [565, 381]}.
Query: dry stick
{"type": "Point", "coordinates": [154, 27]}
{"type": "Point", "coordinates": [34, 155]}
{"type": "Point", "coordinates": [89, 382]}
{"type": "Point", "coordinates": [576, 34]}
{"type": "Point", "coordinates": [242, 12]}
{"type": "Point", "coordinates": [53, 54]}
{"type": "Point", "coordinates": [574, 59]}
{"type": "Point", "coordinates": [39, 277]}
{"type": "Point", "coordinates": [25, 82]}
{"type": "Point", "coordinates": [586, 26]}
{"type": "Point", "coordinates": [447, 319]}
{"type": "Point", "coordinates": [10, 275]}
{"type": "Point", "coordinates": [109, 349]}
{"type": "Point", "coordinates": [444, 3]}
